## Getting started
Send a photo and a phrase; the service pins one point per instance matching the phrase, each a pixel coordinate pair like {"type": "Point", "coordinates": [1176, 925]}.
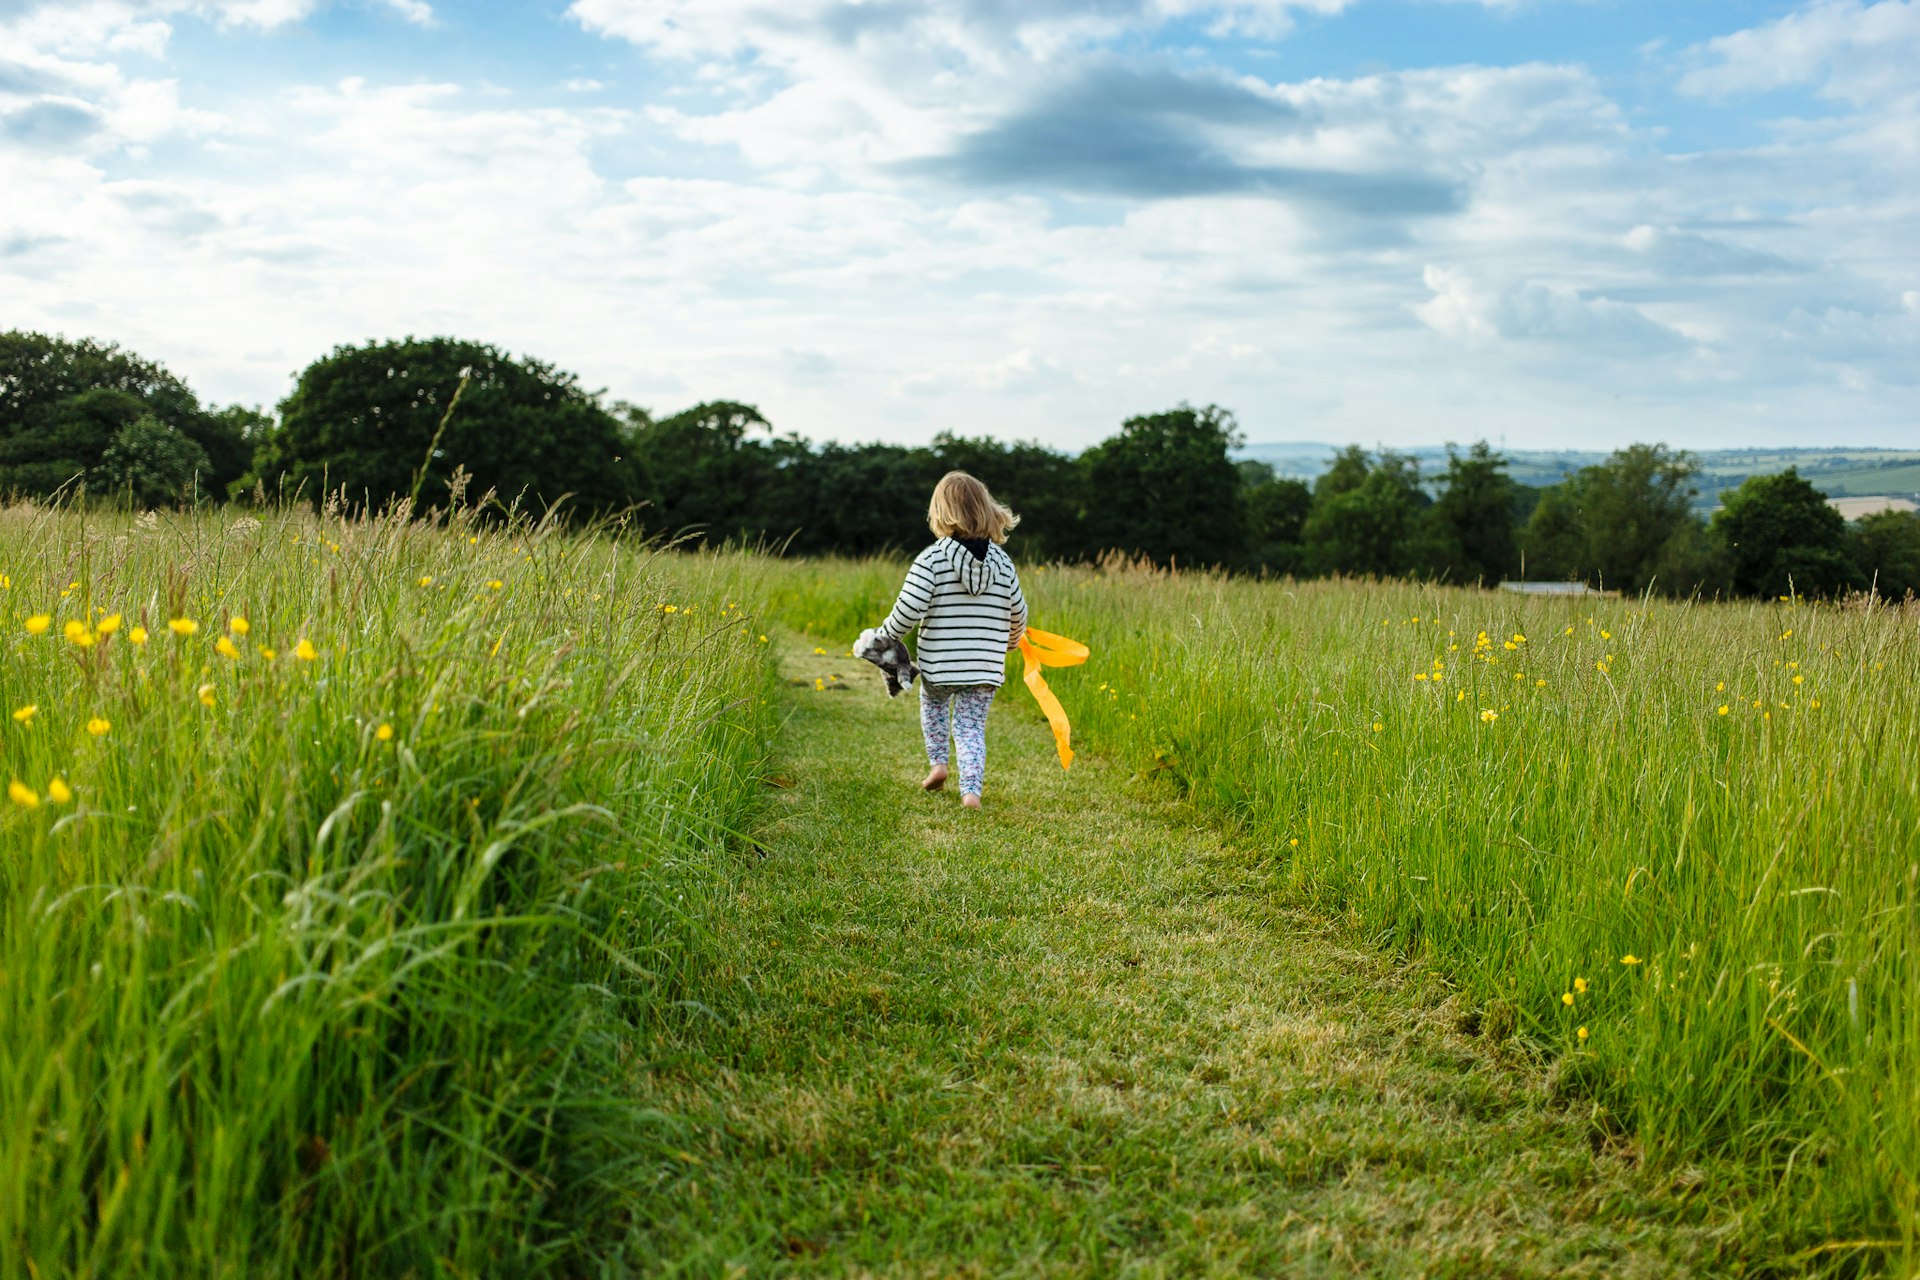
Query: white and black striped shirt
{"type": "Point", "coordinates": [969, 610]}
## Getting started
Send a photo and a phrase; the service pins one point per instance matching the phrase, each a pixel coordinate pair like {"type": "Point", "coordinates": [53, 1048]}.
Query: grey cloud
{"type": "Point", "coordinates": [17, 77]}
{"type": "Point", "coordinates": [50, 125]}
{"type": "Point", "coordinates": [24, 244]}
{"type": "Point", "coordinates": [1683, 253]}
{"type": "Point", "coordinates": [169, 211]}
{"type": "Point", "coordinates": [1146, 135]}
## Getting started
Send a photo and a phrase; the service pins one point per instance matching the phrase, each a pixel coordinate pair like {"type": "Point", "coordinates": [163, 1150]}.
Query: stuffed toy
{"type": "Point", "coordinates": [890, 655]}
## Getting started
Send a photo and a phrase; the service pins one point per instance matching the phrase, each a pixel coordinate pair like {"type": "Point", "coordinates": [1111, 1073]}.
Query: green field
{"type": "Point", "coordinates": [494, 901]}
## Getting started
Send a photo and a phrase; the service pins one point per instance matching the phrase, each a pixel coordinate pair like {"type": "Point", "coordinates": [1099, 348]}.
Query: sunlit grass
{"type": "Point", "coordinates": [1669, 848]}
{"type": "Point", "coordinates": [343, 865]}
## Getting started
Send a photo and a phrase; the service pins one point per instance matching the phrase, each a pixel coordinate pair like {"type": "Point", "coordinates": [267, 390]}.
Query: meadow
{"type": "Point", "coordinates": [356, 869]}
{"type": "Point", "coordinates": [1666, 850]}
{"type": "Point", "coordinates": [346, 864]}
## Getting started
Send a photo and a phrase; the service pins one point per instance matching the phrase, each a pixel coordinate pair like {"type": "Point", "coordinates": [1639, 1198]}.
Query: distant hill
{"type": "Point", "coordinates": [1839, 473]}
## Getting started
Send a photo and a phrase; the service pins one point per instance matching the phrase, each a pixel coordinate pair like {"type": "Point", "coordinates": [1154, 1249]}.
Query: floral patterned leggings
{"type": "Point", "coordinates": [968, 705]}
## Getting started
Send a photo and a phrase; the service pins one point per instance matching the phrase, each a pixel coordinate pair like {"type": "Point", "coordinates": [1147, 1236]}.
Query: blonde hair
{"type": "Point", "coordinates": [962, 508]}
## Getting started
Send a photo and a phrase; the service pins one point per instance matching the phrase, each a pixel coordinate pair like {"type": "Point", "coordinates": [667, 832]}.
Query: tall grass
{"type": "Point", "coordinates": [1691, 831]}
{"type": "Point", "coordinates": [346, 864]}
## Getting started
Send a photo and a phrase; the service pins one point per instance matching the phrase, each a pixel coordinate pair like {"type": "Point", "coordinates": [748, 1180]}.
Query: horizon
{"type": "Point", "coordinates": [1574, 225]}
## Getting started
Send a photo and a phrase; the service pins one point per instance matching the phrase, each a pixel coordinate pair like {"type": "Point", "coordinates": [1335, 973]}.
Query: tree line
{"type": "Point", "coordinates": [383, 420]}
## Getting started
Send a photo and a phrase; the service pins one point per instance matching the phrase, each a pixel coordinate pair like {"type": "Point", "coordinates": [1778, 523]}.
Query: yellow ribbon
{"type": "Point", "coordinates": [1043, 649]}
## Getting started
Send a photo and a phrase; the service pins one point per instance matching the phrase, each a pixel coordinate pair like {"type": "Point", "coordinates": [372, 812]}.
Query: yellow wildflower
{"type": "Point", "coordinates": [819, 650]}
{"type": "Point", "coordinates": [206, 695]}
{"type": "Point", "coordinates": [1629, 958]}
{"type": "Point", "coordinates": [182, 626]}
{"type": "Point", "coordinates": [426, 580]}
{"type": "Point", "coordinates": [25, 714]}
{"type": "Point", "coordinates": [23, 795]}
{"type": "Point", "coordinates": [99, 726]}
{"type": "Point", "coordinates": [1566, 997]}
{"type": "Point", "coordinates": [384, 733]}
{"type": "Point", "coordinates": [1488, 716]}
{"type": "Point", "coordinates": [37, 625]}
{"type": "Point", "coordinates": [495, 584]}
{"type": "Point", "coordinates": [108, 625]}
{"type": "Point", "coordinates": [238, 625]}
{"type": "Point", "coordinates": [1580, 985]}
{"type": "Point", "coordinates": [225, 648]}
{"type": "Point", "coordinates": [1723, 708]}
{"type": "Point", "coordinates": [305, 650]}
{"type": "Point", "coordinates": [1799, 679]}
{"type": "Point", "coordinates": [1582, 1033]}
{"type": "Point", "coordinates": [58, 791]}
{"type": "Point", "coordinates": [137, 636]}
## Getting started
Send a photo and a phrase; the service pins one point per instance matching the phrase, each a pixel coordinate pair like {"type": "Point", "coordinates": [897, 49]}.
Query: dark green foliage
{"type": "Point", "coordinates": [1366, 517]}
{"type": "Point", "coordinates": [1626, 524]}
{"type": "Point", "coordinates": [1553, 543]}
{"type": "Point", "coordinates": [361, 421]}
{"type": "Point", "coordinates": [715, 477]}
{"type": "Point", "coordinates": [1047, 489]}
{"type": "Point", "coordinates": [62, 402]}
{"type": "Point", "coordinates": [1886, 547]}
{"type": "Point", "coordinates": [1276, 519]}
{"type": "Point", "coordinates": [151, 464]}
{"type": "Point", "coordinates": [1166, 488]}
{"type": "Point", "coordinates": [1781, 536]}
{"type": "Point", "coordinates": [1473, 518]}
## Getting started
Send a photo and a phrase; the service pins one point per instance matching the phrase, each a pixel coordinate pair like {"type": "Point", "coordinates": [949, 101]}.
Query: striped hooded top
{"type": "Point", "coordinates": [964, 595]}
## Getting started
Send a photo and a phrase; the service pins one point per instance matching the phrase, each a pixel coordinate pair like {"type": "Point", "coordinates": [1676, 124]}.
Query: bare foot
{"type": "Point", "coordinates": [936, 779]}
{"type": "Point", "coordinates": [970, 800]}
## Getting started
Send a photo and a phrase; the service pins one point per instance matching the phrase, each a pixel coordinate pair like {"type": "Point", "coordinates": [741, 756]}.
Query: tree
{"type": "Point", "coordinates": [715, 476]}
{"type": "Point", "coordinates": [363, 419]}
{"type": "Point", "coordinates": [152, 464]}
{"type": "Point", "coordinates": [1627, 522]}
{"type": "Point", "coordinates": [1277, 508]}
{"type": "Point", "coordinates": [1366, 519]}
{"type": "Point", "coordinates": [62, 402]}
{"type": "Point", "coordinates": [1474, 517]}
{"type": "Point", "coordinates": [1044, 487]}
{"type": "Point", "coordinates": [1886, 546]}
{"type": "Point", "coordinates": [1633, 505]}
{"type": "Point", "coordinates": [1781, 536]}
{"type": "Point", "coordinates": [1165, 487]}
{"type": "Point", "coordinates": [1553, 546]}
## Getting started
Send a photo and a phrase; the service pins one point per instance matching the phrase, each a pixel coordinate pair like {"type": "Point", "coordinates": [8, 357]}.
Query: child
{"type": "Point", "coordinates": [963, 594]}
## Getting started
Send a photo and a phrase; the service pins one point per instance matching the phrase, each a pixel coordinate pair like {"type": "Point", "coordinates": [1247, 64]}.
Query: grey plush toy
{"type": "Point", "coordinates": [888, 654]}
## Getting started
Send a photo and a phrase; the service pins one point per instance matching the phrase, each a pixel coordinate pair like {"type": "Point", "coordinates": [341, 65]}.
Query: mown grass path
{"type": "Point", "coordinates": [1075, 1035]}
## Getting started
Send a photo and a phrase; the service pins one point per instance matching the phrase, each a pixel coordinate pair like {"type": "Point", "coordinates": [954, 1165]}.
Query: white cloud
{"type": "Point", "coordinates": [1545, 257]}
{"type": "Point", "coordinates": [1463, 308]}
{"type": "Point", "coordinates": [1852, 51]}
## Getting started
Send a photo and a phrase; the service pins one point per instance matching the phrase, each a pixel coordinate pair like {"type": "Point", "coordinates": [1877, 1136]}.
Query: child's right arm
{"type": "Point", "coordinates": [916, 595]}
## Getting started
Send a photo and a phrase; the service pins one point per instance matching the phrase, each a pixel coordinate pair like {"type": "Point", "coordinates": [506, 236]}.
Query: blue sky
{"type": "Point", "coordinates": [1550, 222]}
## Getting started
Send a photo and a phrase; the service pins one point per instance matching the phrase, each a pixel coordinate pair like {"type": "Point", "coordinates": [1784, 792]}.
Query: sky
{"type": "Point", "coordinates": [1547, 223]}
